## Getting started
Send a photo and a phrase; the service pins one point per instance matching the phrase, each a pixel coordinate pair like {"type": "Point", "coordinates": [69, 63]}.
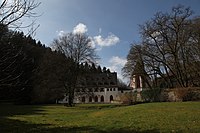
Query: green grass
{"type": "Point", "coordinates": [104, 118]}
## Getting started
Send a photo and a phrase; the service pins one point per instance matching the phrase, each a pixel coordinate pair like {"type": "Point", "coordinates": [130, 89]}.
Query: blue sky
{"type": "Point", "coordinates": [112, 24]}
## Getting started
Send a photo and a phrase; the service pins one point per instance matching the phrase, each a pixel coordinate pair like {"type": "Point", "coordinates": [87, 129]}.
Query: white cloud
{"type": "Point", "coordinates": [115, 60]}
{"type": "Point", "coordinates": [80, 28]}
{"type": "Point", "coordinates": [108, 41]}
{"type": "Point", "coordinates": [61, 33]}
{"type": "Point", "coordinates": [92, 43]}
{"type": "Point", "coordinates": [116, 64]}
{"type": "Point", "coordinates": [96, 41]}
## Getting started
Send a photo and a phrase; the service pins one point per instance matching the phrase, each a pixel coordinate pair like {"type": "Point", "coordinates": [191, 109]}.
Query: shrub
{"type": "Point", "coordinates": [192, 96]}
{"type": "Point", "coordinates": [151, 95]}
{"type": "Point", "coordinates": [128, 98]}
{"type": "Point", "coordinates": [180, 93]}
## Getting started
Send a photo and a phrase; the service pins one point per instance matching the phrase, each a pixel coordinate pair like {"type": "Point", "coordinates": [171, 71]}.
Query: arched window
{"type": "Point", "coordinates": [111, 98]}
{"type": "Point", "coordinates": [102, 98]}
{"type": "Point", "coordinates": [90, 99]}
{"type": "Point", "coordinates": [96, 99]}
{"type": "Point", "coordinates": [83, 99]}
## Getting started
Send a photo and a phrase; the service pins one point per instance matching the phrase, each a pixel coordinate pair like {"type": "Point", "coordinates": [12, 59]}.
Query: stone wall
{"type": "Point", "coordinates": [180, 94]}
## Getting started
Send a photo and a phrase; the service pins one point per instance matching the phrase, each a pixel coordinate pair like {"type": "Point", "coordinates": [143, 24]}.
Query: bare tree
{"type": "Point", "coordinates": [169, 47]}
{"type": "Point", "coordinates": [13, 11]}
{"type": "Point", "coordinates": [167, 37]}
{"type": "Point", "coordinates": [78, 48]}
{"type": "Point", "coordinates": [11, 53]}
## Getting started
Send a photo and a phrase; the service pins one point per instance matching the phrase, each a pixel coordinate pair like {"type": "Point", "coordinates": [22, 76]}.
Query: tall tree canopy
{"type": "Point", "coordinates": [13, 11]}
{"type": "Point", "coordinates": [169, 47]}
{"type": "Point", "coordinates": [15, 62]}
{"type": "Point", "coordinates": [77, 47]}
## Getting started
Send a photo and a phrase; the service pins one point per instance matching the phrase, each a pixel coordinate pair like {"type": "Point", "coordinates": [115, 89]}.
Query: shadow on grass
{"type": "Point", "coordinates": [96, 130]}
{"type": "Point", "coordinates": [7, 110]}
{"type": "Point", "coordinates": [16, 126]}
{"type": "Point", "coordinates": [8, 125]}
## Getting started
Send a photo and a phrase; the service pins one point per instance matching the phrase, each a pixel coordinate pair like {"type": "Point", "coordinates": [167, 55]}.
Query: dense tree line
{"type": "Point", "coordinates": [20, 61]}
{"type": "Point", "coordinates": [169, 51]}
{"type": "Point", "coordinates": [14, 63]}
{"type": "Point", "coordinates": [33, 73]}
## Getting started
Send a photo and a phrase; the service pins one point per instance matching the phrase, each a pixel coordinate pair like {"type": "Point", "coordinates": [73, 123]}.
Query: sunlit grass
{"type": "Point", "coordinates": [151, 117]}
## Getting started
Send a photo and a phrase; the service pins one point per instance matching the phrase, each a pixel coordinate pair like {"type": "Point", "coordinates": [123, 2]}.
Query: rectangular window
{"type": "Point", "coordinates": [102, 90]}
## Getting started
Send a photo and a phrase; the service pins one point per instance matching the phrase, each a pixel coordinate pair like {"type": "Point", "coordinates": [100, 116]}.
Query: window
{"type": "Point", "coordinates": [108, 89]}
{"type": "Point", "coordinates": [83, 99]}
{"type": "Point", "coordinates": [102, 90]}
{"type": "Point", "coordinates": [102, 98]}
{"type": "Point", "coordinates": [96, 99]}
{"type": "Point", "coordinates": [106, 83]}
{"type": "Point", "coordinates": [112, 83]}
{"type": "Point", "coordinates": [113, 89]}
{"type": "Point", "coordinates": [96, 90]}
{"type": "Point", "coordinates": [90, 99]}
{"type": "Point", "coordinates": [111, 98]}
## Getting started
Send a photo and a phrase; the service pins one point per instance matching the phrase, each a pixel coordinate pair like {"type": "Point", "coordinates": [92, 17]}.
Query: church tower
{"type": "Point", "coordinates": [137, 81]}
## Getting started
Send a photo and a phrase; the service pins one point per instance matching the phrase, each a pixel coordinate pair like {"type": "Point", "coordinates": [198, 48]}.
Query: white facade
{"type": "Point", "coordinates": [104, 95]}
{"type": "Point", "coordinates": [97, 88]}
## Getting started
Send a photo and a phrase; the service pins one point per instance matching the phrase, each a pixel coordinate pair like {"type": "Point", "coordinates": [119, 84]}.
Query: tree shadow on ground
{"type": "Point", "coordinates": [16, 126]}
{"type": "Point", "coordinates": [96, 130]}
{"type": "Point", "coordinates": [10, 110]}
{"type": "Point", "coordinates": [8, 125]}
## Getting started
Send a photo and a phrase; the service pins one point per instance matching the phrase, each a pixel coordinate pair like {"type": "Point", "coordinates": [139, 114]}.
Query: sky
{"type": "Point", "coordinates": [112, 24]}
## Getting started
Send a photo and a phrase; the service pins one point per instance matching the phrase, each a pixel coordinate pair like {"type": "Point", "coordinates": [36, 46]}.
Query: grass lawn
{"type": "Point", "coordinates": [101, 118]}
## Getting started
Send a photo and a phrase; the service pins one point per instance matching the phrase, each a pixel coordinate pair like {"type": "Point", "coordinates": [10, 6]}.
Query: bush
{"type": "Point", "coordinates": [192, 96]}
{"type": "Point", "coordinates": [151, 95]}
{"type": "Point", "coordinates": [181, 94]}
{"type": "Point", "coordinates": [128, 98]}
